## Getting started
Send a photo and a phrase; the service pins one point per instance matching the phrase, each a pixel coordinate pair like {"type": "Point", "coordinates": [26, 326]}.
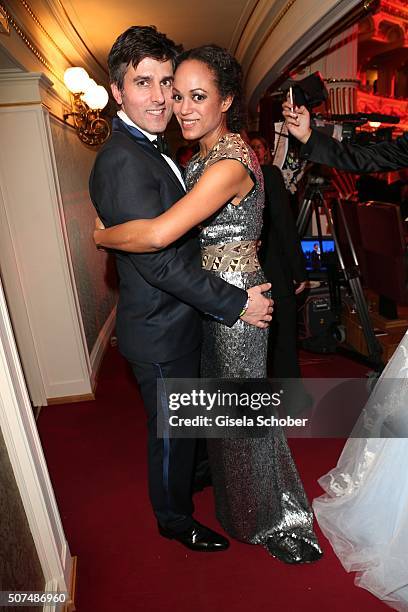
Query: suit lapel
{"type": "Point", "coordinates": [148, 147]}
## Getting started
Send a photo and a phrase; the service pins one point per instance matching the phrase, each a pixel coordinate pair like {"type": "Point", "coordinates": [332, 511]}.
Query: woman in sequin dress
{"type": "Point", "coordinates": [259, 496]}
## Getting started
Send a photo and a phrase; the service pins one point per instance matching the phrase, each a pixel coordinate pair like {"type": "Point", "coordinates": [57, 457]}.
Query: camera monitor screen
{"type": "Point", "coordinates": [317, 254]}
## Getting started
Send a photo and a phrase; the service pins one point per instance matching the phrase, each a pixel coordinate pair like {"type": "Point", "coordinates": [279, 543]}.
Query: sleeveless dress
{"type": "Point", "coordinates": [259, 496]}
{"type": "Point", "coordinates": [364, 513]}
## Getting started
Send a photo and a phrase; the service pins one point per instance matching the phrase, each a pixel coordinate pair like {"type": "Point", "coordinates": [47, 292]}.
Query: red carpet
{"type": "Point", "coordinates": [96, 457]}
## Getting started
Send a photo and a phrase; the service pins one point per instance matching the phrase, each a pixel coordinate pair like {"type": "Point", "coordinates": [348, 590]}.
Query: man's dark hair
{"type": "Point", "coordinates": [257, 136]}
{"type": "Point", "coordinates": [228, 77]}
{"type": "Point", "coordinates": [134, 45]}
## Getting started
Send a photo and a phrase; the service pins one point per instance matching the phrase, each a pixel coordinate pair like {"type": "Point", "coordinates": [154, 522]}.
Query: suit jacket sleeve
{"type": "Point", "coordinates": [282, 222]}
{"type": "Point", "coordinates": [324, 149]}
{"type": "Point", "coordinates": [127, 189]}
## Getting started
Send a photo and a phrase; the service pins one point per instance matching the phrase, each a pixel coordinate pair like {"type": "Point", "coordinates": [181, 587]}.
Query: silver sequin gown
{"type": "Point", "coordinates": [258, 493]}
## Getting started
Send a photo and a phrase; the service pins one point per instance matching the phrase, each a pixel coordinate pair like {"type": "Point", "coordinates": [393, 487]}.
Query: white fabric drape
{"type": "Point", "coordinates": [364, 512]}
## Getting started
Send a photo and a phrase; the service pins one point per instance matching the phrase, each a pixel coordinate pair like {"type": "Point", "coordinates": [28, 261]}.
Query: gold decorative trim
{"type": "Point", "coordinates": [4, 24]}
{"type": "Point", "coordinates": [277, 21]}
{"type": "Point", "coordinates": [236, 256]}
{"type": "Point", "coordinates": [234, 49]}
{"type": "Point", "coordinates": [330, 81]}
{"type": "Point", "coordinates": [29, 43]}
{"type": "Point", "coordinates": [43, 30]}
{"type": "Point", "coordinates": [271, 28]}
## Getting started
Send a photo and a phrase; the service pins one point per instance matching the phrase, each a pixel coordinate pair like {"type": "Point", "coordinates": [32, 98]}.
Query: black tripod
{"type": "Point", "coordinates": [312, 201]}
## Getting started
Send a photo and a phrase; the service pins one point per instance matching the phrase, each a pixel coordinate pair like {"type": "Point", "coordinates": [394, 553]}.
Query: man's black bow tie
{"type": "Point", "coordinates": [161, 144]}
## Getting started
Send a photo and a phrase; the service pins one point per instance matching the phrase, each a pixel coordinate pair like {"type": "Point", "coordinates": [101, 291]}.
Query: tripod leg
{"type": "Point", "coordinates": [304, 215]}
{"type": "Point", "coordinates": [373, 345]}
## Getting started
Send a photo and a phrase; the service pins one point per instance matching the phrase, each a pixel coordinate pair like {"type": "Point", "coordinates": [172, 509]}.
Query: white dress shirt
{"type": "Point", "coordinates": [122, 115]}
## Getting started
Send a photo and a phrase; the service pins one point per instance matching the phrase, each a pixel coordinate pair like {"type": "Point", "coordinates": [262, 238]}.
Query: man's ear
{"type": "Point", "coordinates": [226, 103]}
{"type": "Point", "coordinates": [117, 94]}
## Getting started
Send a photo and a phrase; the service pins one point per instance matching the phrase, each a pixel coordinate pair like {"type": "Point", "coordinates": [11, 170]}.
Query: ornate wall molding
{"type": "Point", "coordinates": [28, 41]}
{"type": "Point", "coordinates": [266, 53]}
{"type": "Point", "coordinates": [262, 19]}
{"type": "Point", "coordinates": [4, 24]}
{"type": "Point", "coordinates": [399, 11]}
{"type": "Point", "coordinates": [368, 103]}
{"type": "Point", "coordinates": [19, 88]}
{"type": "Point", "coordinates": [330, 81]}
{"type": "Point", "coordinates": [43, 30]}
{"type": "Point", "coordinates": [51, 39]}
{"type": "Point", "coordinates": [275, 23]}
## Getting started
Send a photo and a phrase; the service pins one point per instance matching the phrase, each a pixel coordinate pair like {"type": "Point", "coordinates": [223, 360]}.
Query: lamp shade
{"type": "Point", "coordinates": [76, 79]}
{"type": "Point", "coordinates": [96, 97]}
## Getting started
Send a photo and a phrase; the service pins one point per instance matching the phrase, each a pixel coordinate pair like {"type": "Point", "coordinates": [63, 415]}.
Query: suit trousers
{"type": "Point", "coordinates": [283, 356]}
{"type": "Point", "coordinates": [170, 460]}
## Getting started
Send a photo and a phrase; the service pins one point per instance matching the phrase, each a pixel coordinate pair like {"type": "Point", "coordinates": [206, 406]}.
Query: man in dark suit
{"type": "Point", "coordinates": [320, 148]}
{"type": "Point", "coordinates": [283, 262]}
{"type": "Point", "coordinates": [315, 257]}
{"type": "Point", "coordinates": [161, 294]}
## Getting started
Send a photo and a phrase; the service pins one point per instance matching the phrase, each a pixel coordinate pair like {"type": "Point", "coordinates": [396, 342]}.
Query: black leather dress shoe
{"type": "Point", "coordinates": [197, 537]}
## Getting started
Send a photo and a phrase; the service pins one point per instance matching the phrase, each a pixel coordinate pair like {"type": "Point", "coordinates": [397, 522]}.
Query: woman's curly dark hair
{"type": "Point", "coordinates": [228, 77]}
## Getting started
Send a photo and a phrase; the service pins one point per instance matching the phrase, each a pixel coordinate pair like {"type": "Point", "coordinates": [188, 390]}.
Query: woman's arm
{"type": "Point", "coordinates": [224, 181]}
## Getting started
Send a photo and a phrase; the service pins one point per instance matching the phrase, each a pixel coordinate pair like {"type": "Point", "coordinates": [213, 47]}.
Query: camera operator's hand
{"type": "Point", "coordinates": [301, 287]}
{"type": "Point", "coordinates": [298, 121]}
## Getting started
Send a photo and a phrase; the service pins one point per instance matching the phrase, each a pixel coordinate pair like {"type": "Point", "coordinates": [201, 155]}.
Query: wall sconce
{"type": "Point", "coordinates": [88, 99]}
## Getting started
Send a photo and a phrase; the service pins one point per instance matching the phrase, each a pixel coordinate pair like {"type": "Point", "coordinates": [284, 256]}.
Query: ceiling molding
{"type": "Point", "coordinates": [264, 19]}
{"type": "Point", "coordinates": [49, 34]}
{"type": "Point", "coordinates": [28, 39]}
{"type": "Point", "coordinates": [242, 24]}
{"type": "Point", "coordinates": [293, 30]}
{"type": "Point", "coordinates": [58, 8]}
{"type": "Point", "coordinates": [4, 24]}
{"type": "Point", "coordinates": [38, 23]}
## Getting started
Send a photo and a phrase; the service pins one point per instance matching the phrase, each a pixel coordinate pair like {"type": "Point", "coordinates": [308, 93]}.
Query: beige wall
{"type": "Point", "coordinates": [59, 292]}
{"type": "Point", "coordinates": [94, 272]}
